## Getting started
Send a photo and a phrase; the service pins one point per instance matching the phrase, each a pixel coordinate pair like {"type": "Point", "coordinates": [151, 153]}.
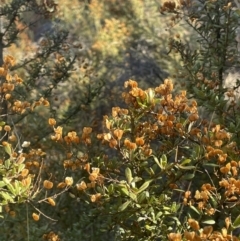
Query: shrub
{"type": "Point", "coordinates": [159, 169]}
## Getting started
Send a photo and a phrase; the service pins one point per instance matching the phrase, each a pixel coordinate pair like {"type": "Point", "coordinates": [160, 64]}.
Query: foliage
{"type": "Point", "coordinates": [161, 149]}
{"type": "Point", "coordinates": [29, 170]}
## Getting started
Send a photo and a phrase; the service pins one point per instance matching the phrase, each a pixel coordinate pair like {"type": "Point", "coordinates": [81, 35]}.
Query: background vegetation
{"type": "Point", "coordinates": [87, 152]}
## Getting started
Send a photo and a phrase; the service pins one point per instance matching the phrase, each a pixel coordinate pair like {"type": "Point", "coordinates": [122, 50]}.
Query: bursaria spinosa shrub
{"type": "Point", "coordinates": [164, 173]}
{"type": "Point", "coordinates": [23, 170]}
{"type": "Point", "coordinates": [210, 57]}
{"type": "Point", "coordinates": [157, 170]}
{"type": "Point", "coordinates": [158, 164]}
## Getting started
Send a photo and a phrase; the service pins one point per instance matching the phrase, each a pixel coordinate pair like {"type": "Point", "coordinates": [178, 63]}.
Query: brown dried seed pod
{"type": "Point", "coordinates": [47, 184]}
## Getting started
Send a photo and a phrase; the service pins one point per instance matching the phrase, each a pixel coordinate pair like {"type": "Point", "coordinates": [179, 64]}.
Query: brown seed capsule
{"type": "Point", "coordinates": [47, 184]}
{"type": "Point", "coordinates": [81, 186]}
{"type": "Point", "coordinates": [12, 214]}
{"type": "Point", "coordinates": [52, 122]}
{"type": "Point", "coordinates": [51, 201]}
{"type": "Point", "coordinates": [35, 217]}
{"type": "Point", "coordinates": [7, 96]}
{"type": "Point", "coordinates": [139, 141]}
{"type": "Point", "coordinates": [24, 172]}
{"type": "Point", "coordinates": [193, 117]}
{"type": "Point", "coordinates": [69, 181]}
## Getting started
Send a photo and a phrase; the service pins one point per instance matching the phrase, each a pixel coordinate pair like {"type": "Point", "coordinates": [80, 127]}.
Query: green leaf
{"type": "Point", "coordinates": [20, 167]}
{"type": "Point", "coordinates": [127, 192]}
{"type": "Point", "coordinates": [179, 190]}
{"type": "Point", "coordinates": [17, 187]}
{"type": "Point", "coordinates": [150, 228]}
{"type": "Point", "coordinates": [124, 206]}
{"type": "Point", "coordinates": [157, 161]}
{"type": "Point", "coordinates": [186, 161]}
{"type": "Point", "coordinates": [2, 184]}
{"type": "Point", "coordinates": [186, 167]}
{"type": "Point", "coordinates": [2, 123]}
{"type": "Point", "coordinates": [209, 221]}
{"type": "Point", "coordinates": [71, 195]}
{"type": "Point", "coordinates": [162, 198]}
{"type": "Point", "coordinates": [136, 179]}
{"type": "Point", "coordinates": [236, 223]}
{"type": "Point", "coordinates": [144, 186]}
{"type": "Point", "coordinates": [195, 209]}
{"type": "Point", "coordinates": [151, 172]}
{"type": "Point", "coordinates": [159, 214]}
{"type": "Point", "coordinates": [6, 180]}
{"type": "Point", "coordinates": [214, 200]}
{"type": "Point", "coordinates": [188, 176]}
{"type": "Point", "coordinates": [175, 207]}
{"type": "Point", "coordinates": [110, 188]}
{"type": "Point", "coordinates": [196, 151]}
{"type": "Point", "coordinates": [141, 218]}
{"type": "Point", "coordinates": [141, 197]}
{"type": "Point", "coordinates": [210, 164]}
{"type": "Point", "coordinates": [132, 196]}
{"type": "Point", "coordinates": [8, 149]}
{"type": "Point", "coordinates": [176, 220]}
{"type": "Point", "coordinates": [7, 163]}
{"type": "Point", "coordinates": [133, 182]}
{"type": "Point", "coordinates": [163, 161]}
{"type": "Point", "coordinates": [128, 174]}
{"type": "Point", "coordinates": [124, 190]}
{"type": "Point", "coordinates": [9, 186]}
{"type": "Point", "coordinates": [100, 190]}
{"type": "Point", "coordinates": [7, 197]}
{"type": "Point", "coordinates": [144, 163]}
{"type": "Point", "coordinates": [139, 101]}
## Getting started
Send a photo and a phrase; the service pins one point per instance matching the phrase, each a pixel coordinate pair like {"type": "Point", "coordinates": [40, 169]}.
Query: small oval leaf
{"type": "Point", "coordinates": [186, 161]}
{"type": "Point", "coordinates": [209, 221]}
{"type": "Point", "coordinates": [186, 167]}
{"type": "Point", "coordinates": [124, 206]}
{"type": "Point", "coordinates": [236, 223]}
{"type": "Point", "coordinates": [144, 186]}
{"type": "Point", "coordinates": [128, 174]}
{"type": "Point", "coordinates": [195, 209]}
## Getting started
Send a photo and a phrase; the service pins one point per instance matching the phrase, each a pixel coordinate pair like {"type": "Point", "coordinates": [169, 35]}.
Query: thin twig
{"type": "Point", "coordinates": [28, 235]}
{"type": "Point", "coordinates": [54, 220]}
